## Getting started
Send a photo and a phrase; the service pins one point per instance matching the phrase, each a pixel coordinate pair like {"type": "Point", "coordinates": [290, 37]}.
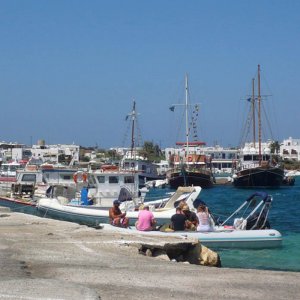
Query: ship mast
{"type": "Point", "coordinates": [253, 112]}
{"type": "Point", "coordinates": [259, 113]}
{"type": "Point", "coordinates": [133, 116]}
{"type": "Point", "coordinates": [186, 117]}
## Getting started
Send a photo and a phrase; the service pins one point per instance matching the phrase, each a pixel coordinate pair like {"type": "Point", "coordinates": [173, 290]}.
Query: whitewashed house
{"type": "Point", "coordinates": [290, 149]}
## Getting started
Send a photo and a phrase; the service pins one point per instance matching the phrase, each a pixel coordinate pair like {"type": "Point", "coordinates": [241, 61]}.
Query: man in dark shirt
{"type": "Point", "coordinates": [178, 220]}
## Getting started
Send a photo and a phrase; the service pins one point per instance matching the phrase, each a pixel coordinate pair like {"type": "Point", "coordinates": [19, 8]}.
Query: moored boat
{"type": "Point", "coordinates": [227, 238]}
{"type": "Point", "coordinates": [190, 166]}
{"type": "Point", "coordinates": [23, 205]}
{"type": "Point", "coordinates": [257, 166]}
{"type": "Point", "coordinates": [66, 208]}
{"type": "Point", "coordinates": [247, 227]}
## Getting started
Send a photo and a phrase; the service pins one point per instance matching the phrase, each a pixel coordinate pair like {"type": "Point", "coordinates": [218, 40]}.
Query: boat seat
{"type": "Point", "coordinates": [62, 200]}
{"type": "Point", "coordinates": [161, 209]}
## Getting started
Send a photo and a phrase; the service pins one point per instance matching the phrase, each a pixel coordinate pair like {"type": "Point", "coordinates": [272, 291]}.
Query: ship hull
{"type": "Point", "coordinates": [259, 177]}
{"type": "Point", "coordinates": [188, 178]}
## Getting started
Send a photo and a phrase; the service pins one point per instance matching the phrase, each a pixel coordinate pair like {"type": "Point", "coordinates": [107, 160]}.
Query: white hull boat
{"type": "Point", "coordinates": [250, 231]}
{"type": "Point", "coordinates": [62, 208]}
{"type": "Point", "coordinates": [247, 227]}
{"type": "Point", "coordinates": [220, 238]}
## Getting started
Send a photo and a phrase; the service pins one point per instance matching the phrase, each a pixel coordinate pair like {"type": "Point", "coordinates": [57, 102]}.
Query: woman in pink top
{"type": "Point", "coordinates": [145, 220]}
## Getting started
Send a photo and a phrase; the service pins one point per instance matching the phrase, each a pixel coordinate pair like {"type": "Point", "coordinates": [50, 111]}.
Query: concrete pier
{"type": "Point", "coordinates": [47, 259]}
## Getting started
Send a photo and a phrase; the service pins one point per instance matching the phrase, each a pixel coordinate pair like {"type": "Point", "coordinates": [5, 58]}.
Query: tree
{"type": "Point", "coordinates": [151, 152]}
{"type": "Point", "coordinates": [275, 147]}
{"type": "Point", "coordinates": [112, 154]}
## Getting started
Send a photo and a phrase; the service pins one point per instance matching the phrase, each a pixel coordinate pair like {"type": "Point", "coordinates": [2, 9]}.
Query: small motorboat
{"type": "Point", "coordinates": [63, 207]}
{"type": "Point", "coordinates": [247, 227]}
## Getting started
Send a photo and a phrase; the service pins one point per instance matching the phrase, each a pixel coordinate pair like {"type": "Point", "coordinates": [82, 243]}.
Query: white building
{"type": "Point", "coordinates": [221, 158]}
{"type": "Point", "coordinates": [48, 153]}
{"type": "Point", "coordinates": [290, 149]}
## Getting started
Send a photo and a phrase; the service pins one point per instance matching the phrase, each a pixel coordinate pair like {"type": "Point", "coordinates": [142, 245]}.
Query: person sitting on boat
{"type": "Point", "coordinates": [204, 219]}
{"type": "Point", "coordinates": [192, 219]}
{"type": "Point", "coordinates": [146, 220]}
{"type": "Point", "coordinates": [116, 217]}
{"type": "Point", "coordinates": [178, 220]}
{"type": "Point", "coordinates": [181, 204]}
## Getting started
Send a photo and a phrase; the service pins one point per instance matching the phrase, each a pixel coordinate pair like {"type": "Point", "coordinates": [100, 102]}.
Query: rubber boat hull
{"type": "Point", "coordinates": [242, 239]}
{"type": "Point", "coordinates": [94, 215]}
{"type": "Point", "coordinates": [90, 216]}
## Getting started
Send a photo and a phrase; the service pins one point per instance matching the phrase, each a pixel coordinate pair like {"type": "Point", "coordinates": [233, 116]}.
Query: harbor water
{"type": "Point", "coordinates": [284, 216]}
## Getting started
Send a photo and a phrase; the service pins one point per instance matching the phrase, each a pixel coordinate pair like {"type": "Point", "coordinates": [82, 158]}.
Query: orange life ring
{"type": "Point", "coordinates": [80, 177]}
{"type": "Point", "coordinates": [190, 159]}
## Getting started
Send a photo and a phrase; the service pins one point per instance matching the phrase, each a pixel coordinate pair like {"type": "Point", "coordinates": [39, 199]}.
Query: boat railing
{"type": "Point", "coordinates": [249, 165]}
{"type": "Point", "coordinates": [252, 218]}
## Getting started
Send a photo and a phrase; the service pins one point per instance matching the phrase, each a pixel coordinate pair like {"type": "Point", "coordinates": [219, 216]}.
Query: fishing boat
{"type": "Point", "coordinates": [31, 183]}
{"type": "Point", "coordinates": [24, 204]}
{"type": "Point", "coordinates": [109, 182]}
{"type": "Point", "coordinates": [252, 231]}
{"type": "Point", "coordinates": [62, 204]}
{"type": "Point", "coordinates": [256, 166]}
{"type": "Point", "coordinates": [190, 166]}
{"type": "Point", "coordinates": [8, 173]}
{"type": "Point", "coordinates": [20, 196]}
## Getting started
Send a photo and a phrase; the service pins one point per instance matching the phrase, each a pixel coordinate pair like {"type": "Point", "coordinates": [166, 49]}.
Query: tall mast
{"type": "Point", "coordinates": [259, 113]}
{"type": "Point", "coordinates": [133, 114]}
{"type": "Point", "coordinates": [186, 116]}
{"type": "Point", "coordinates": [253, 112]}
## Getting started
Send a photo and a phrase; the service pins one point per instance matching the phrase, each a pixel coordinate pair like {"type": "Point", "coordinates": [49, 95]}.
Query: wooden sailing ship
{"type": "Point", "coordinates": [256, 166]}
{"type": "Point", "coordinates": [193, 167]}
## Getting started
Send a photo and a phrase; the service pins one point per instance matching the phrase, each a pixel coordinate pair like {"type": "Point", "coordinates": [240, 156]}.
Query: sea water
{"type": "Point", "coordinates": [284, 216]}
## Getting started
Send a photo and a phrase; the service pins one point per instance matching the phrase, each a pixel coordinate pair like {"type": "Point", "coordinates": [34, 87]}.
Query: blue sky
{"type": "Point", "coordinates": [71, 69]}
